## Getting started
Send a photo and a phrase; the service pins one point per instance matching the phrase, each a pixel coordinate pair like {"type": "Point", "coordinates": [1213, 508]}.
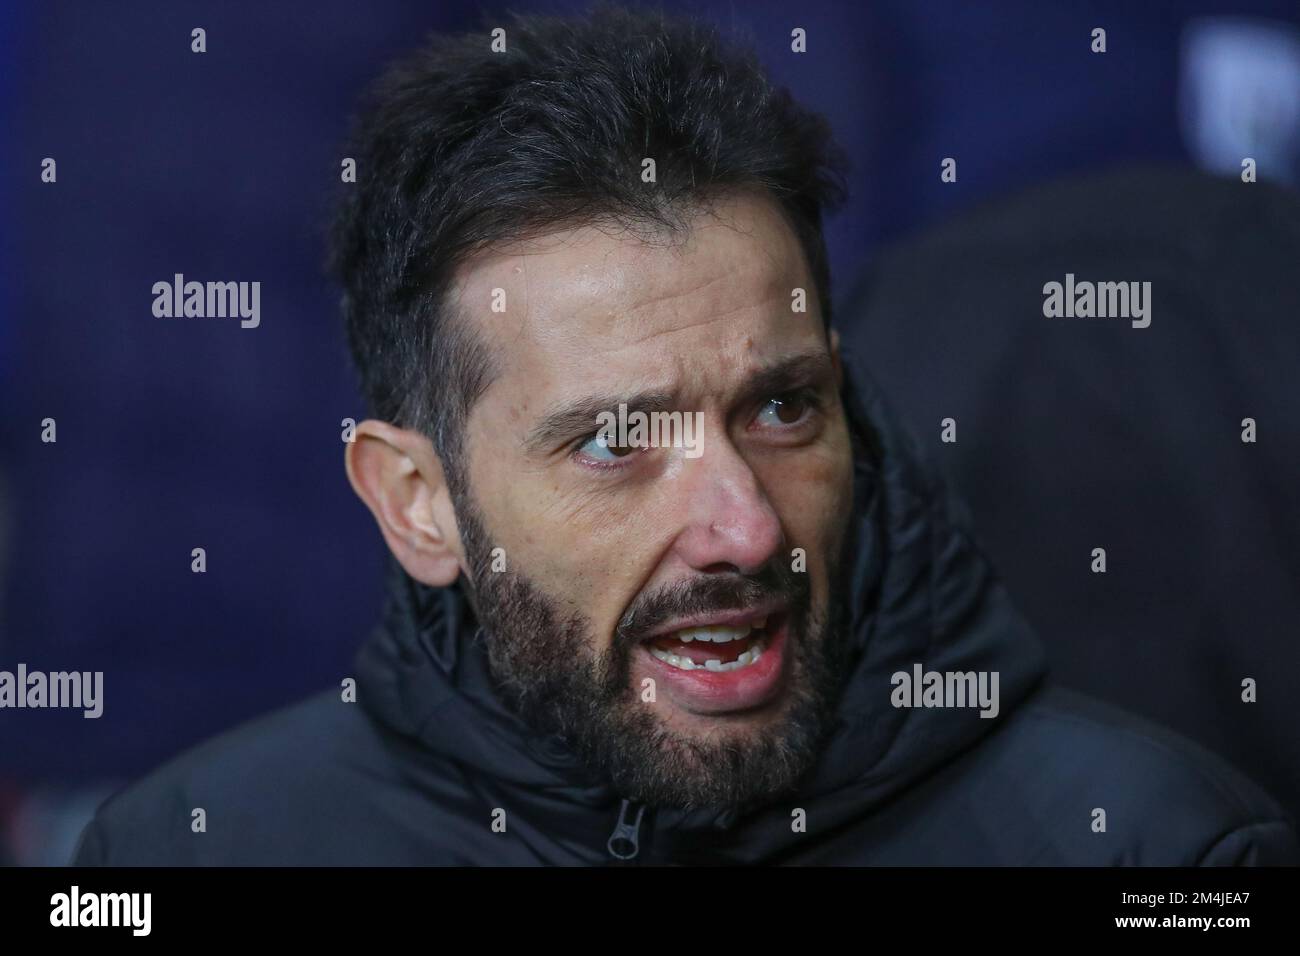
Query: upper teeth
{"type": "Point", "coordinates": [750, 656]}
{"type": "Point", "coordinates": [719, 635]}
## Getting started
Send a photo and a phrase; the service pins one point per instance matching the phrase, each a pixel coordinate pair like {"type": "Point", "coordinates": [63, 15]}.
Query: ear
{"type": "Point", "coordinates": [399, 476]}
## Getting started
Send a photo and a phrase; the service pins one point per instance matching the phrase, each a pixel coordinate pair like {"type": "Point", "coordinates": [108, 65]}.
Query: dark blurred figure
{"type": "Point", "coordinates": [1083, 433]}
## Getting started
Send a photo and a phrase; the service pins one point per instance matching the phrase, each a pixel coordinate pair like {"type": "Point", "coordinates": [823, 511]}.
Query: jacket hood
{"type": "Point", "coordinates": [919, 590]}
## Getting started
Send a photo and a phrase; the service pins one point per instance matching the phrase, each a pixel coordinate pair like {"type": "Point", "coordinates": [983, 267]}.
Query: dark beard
{"type": "Point", "coordinates": [545, 669]}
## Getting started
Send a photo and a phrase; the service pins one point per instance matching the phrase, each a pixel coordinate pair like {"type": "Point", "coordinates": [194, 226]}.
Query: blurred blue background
{"type": "Point", "coordinates": [176, 435]}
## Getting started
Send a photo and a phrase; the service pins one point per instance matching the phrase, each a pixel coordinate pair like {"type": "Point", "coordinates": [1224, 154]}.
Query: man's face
{"type": "Point", "coordinates": [669, 609]}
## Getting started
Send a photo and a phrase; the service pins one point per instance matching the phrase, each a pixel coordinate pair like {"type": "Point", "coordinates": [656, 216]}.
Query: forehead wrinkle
{"type": "Point", "coordinates": [773, 288]}
{"type": "Point", "coordinates": [609, 272]}
{"type": "Point", "coordinates": [593, 286]}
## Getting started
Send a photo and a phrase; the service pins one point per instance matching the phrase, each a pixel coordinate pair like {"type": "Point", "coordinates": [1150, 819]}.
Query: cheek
{"type": "Point", "coordinates": [582, 554]}
{"type": "Point", "coordinates": [813, 495]}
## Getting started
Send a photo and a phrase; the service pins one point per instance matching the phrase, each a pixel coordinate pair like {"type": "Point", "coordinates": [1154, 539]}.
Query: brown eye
{"type": "Point", "coordinates": [788, 409]}
{"type": "Point", "coordinates": [599, 449]}
{"type": "Point", "coordinates": [618, 451]}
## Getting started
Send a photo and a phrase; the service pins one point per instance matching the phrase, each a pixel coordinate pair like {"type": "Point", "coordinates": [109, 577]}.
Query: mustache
{"type": "Point", "coordinates": [717, 592]}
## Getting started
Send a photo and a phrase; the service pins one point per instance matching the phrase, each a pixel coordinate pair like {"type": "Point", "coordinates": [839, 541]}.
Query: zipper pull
{"type": "Point", "coordinates": [624, 842]}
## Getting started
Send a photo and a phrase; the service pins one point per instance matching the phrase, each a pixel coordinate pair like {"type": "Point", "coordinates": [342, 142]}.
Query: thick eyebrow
{"type": "Point", "coordinates": [802, 370]}
{"type": "Point", "coordinates": [578, 418]}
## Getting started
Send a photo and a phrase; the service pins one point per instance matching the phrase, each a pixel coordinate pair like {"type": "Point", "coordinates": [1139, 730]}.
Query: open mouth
{"type": "Point", "coordinates": [723, 663]}
{"type": "Point", "coordinates": [713, 648]}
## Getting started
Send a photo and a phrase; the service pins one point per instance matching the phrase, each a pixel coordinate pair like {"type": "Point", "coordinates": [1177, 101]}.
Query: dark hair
{"type": "Point", "coordinates": [460, 147]}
